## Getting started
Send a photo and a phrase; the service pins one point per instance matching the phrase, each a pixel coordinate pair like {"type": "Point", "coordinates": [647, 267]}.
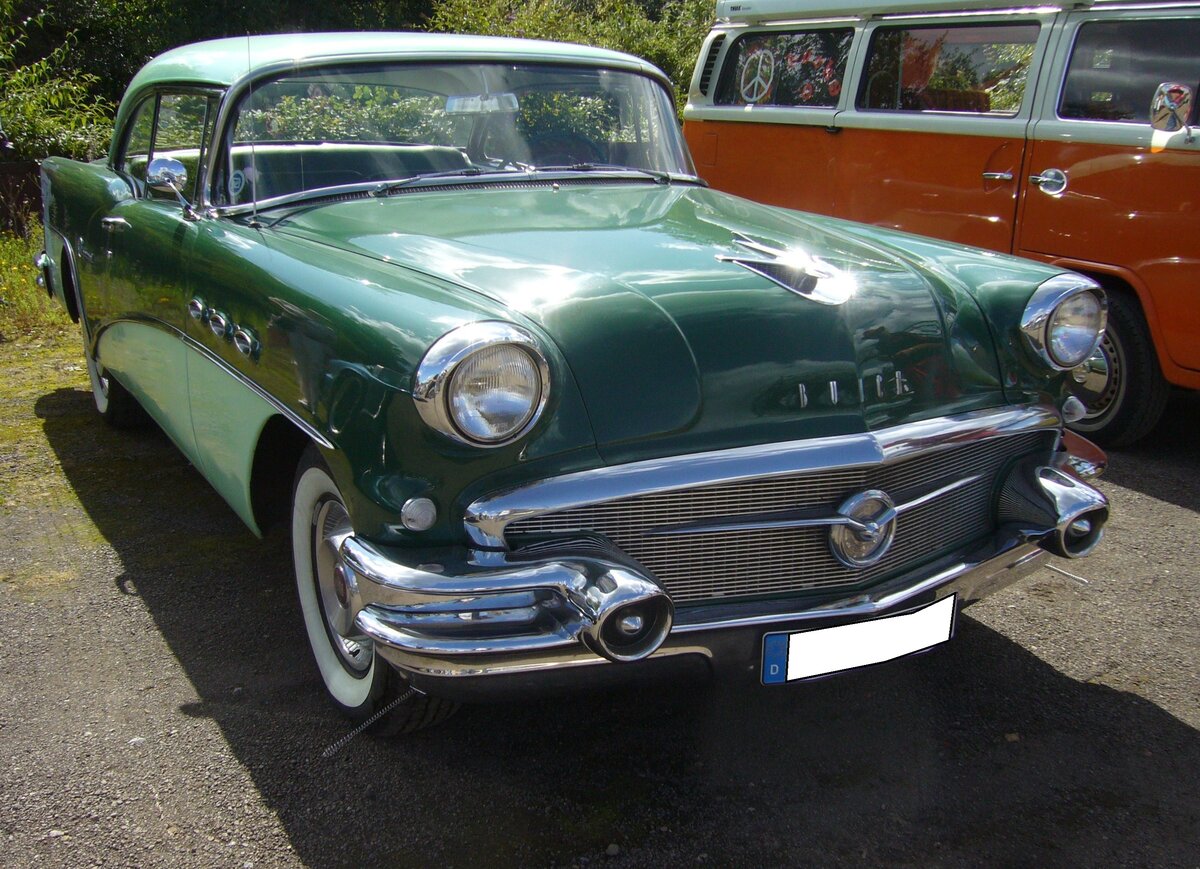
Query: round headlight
{"type": "Point", "coordinates": [1064, 320]}
{"type": "Point", "coordinates": [1074, 329]}
{"type": "Point", "coordinates": [494, 392]}
{"type": "Point", "coordinates": [483, 384]}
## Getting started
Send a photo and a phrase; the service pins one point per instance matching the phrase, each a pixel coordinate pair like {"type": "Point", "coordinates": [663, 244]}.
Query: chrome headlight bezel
{"type": "Point", "coordinates": [435, 374]}
{"type": "Point", "coordinates": [1037, 321]}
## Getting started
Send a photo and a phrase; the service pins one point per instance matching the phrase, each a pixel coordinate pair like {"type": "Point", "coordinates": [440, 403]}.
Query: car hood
{"type": "Point", "coordinates": [674, 346]}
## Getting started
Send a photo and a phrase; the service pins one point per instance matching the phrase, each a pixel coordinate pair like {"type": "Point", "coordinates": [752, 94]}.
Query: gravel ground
{"type": "Point", "coordinates": [158, 704]}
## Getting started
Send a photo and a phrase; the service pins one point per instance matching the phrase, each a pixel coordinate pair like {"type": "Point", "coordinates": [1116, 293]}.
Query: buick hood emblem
{"type": "Point", "coordinates": [865, 530]}
{"type": "Point", "coordinates": [794, 270]}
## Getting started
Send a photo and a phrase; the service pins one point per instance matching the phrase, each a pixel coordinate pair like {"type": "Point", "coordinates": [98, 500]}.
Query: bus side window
{"type": "Point", "coordinates": [799, 69]}
{"type": "Point", "coordinates": [977, 69]}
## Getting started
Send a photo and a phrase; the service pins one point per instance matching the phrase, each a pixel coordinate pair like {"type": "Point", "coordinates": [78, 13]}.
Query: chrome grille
{"type": "Point", "coordinates": [746, 563]}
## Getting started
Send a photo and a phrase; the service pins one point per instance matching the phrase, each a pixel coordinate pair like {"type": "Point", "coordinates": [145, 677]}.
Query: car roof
{"type": "Point", "coordinates": [221, 62]}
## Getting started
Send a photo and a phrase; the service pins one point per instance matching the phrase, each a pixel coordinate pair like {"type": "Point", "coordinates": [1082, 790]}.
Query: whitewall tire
{"type": "Point", "coordinates": [356, 678]}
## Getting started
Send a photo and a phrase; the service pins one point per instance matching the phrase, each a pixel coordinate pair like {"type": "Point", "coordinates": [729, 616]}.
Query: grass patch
{"type": "Point", "coordinates": [25, 308]}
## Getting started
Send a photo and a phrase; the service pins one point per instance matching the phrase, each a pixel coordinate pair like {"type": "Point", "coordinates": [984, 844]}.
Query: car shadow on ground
{"type": "Point", "coordinates": [978, 753]}
{"type": "Point", "coordinates": [1169, 457]}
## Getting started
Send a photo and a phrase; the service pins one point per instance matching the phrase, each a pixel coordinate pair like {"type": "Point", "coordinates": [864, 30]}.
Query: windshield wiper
{"type": "Point", "coordinates": [470, 172]}
{"type": "Point", "coordinates": [653, 174]}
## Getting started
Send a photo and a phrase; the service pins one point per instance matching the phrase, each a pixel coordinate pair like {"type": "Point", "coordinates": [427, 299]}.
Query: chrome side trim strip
{"type": "Point", "coordinates": [285, 411]}
{"type": "Point", "coordinates": [192, 344]}
{"type": "Point", "coordinates": [486, 519]}
{"type": "Point", "coordinates": [304, 425]}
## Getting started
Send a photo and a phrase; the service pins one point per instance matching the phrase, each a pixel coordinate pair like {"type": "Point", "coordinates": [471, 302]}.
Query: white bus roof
{"type": "Point", "coordinates": [755, 11]}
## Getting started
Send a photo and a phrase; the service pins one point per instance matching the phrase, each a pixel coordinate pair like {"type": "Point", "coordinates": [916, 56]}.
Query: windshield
{"type": "Point", "coordinates": [377, 124]}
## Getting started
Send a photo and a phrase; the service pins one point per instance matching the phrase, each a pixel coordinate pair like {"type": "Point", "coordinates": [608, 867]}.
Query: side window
{"type": "Point", "coordinates": [175, 125]}
{"type": "Point", "coordinates": [971, 69]}
{"type": "Point", "coordinates": [798, 68]}
{"type": "Point", "coordinates": [180, 133]}
{"type": "Point", "coordinates": [1116, 66]}
{"type": "Point", "coordinates": [137, 143]}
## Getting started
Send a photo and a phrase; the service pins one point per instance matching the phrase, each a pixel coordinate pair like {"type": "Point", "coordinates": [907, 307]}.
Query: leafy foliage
{"type": "Point", "coordinates": [44, 111]}
{"type": "Point", "coordinates": [671, 41]}
{"type": "Point", "coordinates": [114, 38]}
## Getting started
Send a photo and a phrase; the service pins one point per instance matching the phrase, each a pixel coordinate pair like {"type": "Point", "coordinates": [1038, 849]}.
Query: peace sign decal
{"type": "Point", "coordinates": [758, 75]}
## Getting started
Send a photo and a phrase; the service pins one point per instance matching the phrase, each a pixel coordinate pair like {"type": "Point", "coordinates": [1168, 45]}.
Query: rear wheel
{"type": "Point", "coordinates": [1121, 385]}
{"type": "Point", "coordinates": [360, 682]}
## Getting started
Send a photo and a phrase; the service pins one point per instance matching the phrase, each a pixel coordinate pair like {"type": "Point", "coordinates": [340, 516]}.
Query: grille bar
{"type": "Point", "coordinates": [750, 563]}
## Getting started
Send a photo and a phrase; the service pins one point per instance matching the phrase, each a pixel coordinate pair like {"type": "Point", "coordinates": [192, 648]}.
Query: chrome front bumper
{"type": "Point", "coordinates": [473, 621]}
{"type": "Point", "coordinates": [459, 626]}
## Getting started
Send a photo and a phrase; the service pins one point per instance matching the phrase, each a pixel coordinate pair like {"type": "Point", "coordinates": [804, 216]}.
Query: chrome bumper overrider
{"type": "Point", "coordinates": [462, 615]}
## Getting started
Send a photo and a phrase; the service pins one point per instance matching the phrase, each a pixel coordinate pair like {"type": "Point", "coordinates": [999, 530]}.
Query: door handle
{"type": "Point", "coordinates": [1052, 181]}
{"type": "Point", "coordinates": [997, 176]}
{"type": "Point", "coordinates": [114, 224]}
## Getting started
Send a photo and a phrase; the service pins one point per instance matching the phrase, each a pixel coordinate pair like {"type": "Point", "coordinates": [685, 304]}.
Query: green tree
{"type": "Point", "coordinates": [44, 110]}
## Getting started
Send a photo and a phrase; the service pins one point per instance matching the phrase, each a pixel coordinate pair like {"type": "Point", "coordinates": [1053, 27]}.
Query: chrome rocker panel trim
{"type": "Point", "coordinates": [487, 518]}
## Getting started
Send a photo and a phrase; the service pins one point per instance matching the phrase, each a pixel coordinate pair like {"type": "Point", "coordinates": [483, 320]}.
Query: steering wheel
{"type": "Point", "coordinates": [554, 149]}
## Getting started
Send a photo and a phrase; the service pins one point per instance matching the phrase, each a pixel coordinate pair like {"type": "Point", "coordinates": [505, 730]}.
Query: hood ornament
{"type": "Point", "coordinates": [794, 270]}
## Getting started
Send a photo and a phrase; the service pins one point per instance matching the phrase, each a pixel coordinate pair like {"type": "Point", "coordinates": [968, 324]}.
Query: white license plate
{"type": "Point", "coordinates": [805, 654]}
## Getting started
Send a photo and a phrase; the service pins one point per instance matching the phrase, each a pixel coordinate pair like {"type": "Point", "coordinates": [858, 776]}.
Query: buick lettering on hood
{"type": "Point", "coordinates": [538, 407]}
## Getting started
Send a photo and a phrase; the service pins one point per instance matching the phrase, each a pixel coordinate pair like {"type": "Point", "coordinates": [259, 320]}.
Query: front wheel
{"type": "Point", "coordinates": [1121, 385]}
{"type": "Point", "coordinates": [360, 682]}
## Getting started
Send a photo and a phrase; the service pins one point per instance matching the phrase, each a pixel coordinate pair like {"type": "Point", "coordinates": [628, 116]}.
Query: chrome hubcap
{"type": "Point", "coordinates": [1099, 379]}
{"type": "Point", "coordinates": [331, 527]}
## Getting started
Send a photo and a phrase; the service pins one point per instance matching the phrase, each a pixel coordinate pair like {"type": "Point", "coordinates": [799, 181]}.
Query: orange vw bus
{"type": "Point", "coordinates": [1064, 134]}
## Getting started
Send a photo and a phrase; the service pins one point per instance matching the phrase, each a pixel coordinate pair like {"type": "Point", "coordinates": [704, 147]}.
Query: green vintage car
{"type": "Point", "coordinates": [541, 409]}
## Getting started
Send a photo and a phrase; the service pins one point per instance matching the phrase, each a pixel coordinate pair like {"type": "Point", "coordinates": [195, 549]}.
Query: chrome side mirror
{"type": "Point", "coordinates": [166, 175]}
{"type": "Point", "coordinates": [170, 176]}
{"type": "Point", "coordinates": [1171, 108]}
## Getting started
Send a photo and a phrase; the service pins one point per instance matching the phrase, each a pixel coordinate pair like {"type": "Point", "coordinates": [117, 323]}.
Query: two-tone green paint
{"type": "Point", "coordinates": [655, 346]}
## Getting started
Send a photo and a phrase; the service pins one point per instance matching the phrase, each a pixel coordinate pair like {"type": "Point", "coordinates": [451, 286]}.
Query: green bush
{"type": "Point", "coordinates": [671, 41]}
{"type": "Point", "coordinates": [24, 306]}
{"type": "Point", "coordinates": [44, 111]}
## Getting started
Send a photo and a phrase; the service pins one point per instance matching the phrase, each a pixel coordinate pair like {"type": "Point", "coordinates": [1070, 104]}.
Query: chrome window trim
{"type": "Point", "coordinates": [437, 367]}
{"type": "Point", "coordinates": [486, 519]}
{"type": "Point", "coordinates": [1039, 312]}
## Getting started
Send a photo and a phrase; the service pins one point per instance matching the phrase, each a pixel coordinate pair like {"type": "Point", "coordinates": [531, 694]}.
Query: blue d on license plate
{"type": "Point", "coordinates": [804, 654]}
